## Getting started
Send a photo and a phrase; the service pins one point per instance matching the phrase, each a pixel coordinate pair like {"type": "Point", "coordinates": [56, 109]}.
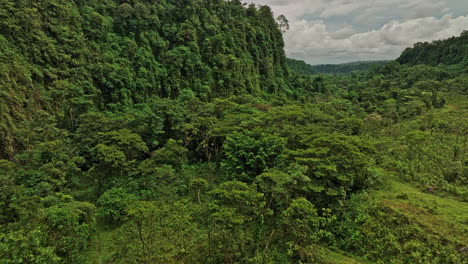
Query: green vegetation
{"type": "Point", "coordinates": [173, 132]}
{"type": "Point", "coordinates": [71, 57]}
{"type": "Point", "coordinates": [449, 51]}
{"type": "Point", "coordinates": [300, 67]}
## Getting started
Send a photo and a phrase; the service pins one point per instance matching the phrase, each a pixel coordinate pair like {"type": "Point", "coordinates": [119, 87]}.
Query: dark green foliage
{"type": "Point", "coordinates": [171, 154]}
{"type": "Point", "coordinates": [8, 189]}
{"type": "Point", "coordinates": [348, 67]}
{"type": "Point", "coordinates": [249, 154]}
{"type": "Point", "coordinates": [72, 56]}
{"type": "Point", "coordinates": [300, 67]}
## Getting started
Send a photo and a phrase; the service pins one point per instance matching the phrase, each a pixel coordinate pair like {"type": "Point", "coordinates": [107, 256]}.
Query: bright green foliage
{"type": "Point", "coordinates": [186, 95]}
{"type": "Point", "coordinates": [113, 156]}
{"type": "Point", "coordinates": [237, 199]}
{"type": "Point", "coordinates": [57, 234]}
{"type": "Point", "coordinates": [351, 126]}
{"type": "Point", "coordinates": [159, 234]}
{"type": "Point", "coordinates": [280, 187]}
{"type": "Point", "coordinates": [303, 229]}
{"type": "Point", "coordinates": [237, 211]}
{"type": "Point", "coordinates": [276, 187]}
{"type": "Point", "coordinates": [397, 230]}
{"type": "Point", "coordinates": [336, 164]}
{"type": "Point", "coordinates": [71, 227]}
{"type": "Point", "coordinates": [26, 246]}
{"type": "Point", "coordinates": [249, 154]}
{"type": "Point", "coordinates": [113, 205]}
{"type": "Point", "coordinates": [301, 218]}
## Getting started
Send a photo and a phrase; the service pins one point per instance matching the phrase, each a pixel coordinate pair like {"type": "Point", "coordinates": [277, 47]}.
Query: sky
{"type": "Point", "coordinates": [338, 31]}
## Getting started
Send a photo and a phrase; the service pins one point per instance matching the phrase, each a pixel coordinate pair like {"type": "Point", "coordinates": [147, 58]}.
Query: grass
{"type": "Point", "coordinates": [102, 246]}
{"type": "Point", "coordinates": [335, 257]}
{"type": "Point", "coordinates": [445, 216]}
{"type": "Point", "coordinates": [440, 206]}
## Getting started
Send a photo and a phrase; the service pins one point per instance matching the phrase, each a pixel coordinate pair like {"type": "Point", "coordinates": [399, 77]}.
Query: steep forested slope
{"type": "Point", "coordinates": [67, 57]}
{"type": "Point", "coordinates": [449, 51]}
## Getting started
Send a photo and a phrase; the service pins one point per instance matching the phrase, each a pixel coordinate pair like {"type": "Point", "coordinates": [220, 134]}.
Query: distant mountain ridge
{"type": "Point", "coordinates": [302, 67]}
{"type": "Point", "coordinates": [449, 51]}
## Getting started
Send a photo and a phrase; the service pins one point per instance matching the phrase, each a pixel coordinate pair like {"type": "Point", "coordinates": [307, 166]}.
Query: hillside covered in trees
{"type": "Point", "coordinates": [174, 131]}
{"type": "Point", "coordinates": [449, 51]}
{"type": "Point", "coordinates": [68, 57]}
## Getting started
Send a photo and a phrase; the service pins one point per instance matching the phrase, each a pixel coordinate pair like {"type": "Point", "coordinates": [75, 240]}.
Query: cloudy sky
{"type": "Point", "coordinates": [336, 31]}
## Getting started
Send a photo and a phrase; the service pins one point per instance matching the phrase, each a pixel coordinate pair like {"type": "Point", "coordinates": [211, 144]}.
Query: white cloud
{"type": "Point", "coordinates": [333, 8]}
{"type": "Point", "coordinates": [332, 31]}
{"type": "Point", "coordinates": [341, 7]}
{"type": "Point", "coordinates": [311, 41]}
{"type": "Point", "coordinates": [343, 33]}
{"type": "Point", "coordinates": [427, 9]}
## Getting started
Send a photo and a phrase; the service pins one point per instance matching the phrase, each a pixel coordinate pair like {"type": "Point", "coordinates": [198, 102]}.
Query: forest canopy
{"type": "Point", "coordinates": [176, 131]}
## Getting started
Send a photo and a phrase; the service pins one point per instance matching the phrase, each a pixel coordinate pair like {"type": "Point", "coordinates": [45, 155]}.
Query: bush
{"type": "Point", "coordinates": [113, 204]}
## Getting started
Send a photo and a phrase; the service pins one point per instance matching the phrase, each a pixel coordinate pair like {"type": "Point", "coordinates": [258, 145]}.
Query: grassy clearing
{"type": "Point", "coordinates": [444, 216]}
